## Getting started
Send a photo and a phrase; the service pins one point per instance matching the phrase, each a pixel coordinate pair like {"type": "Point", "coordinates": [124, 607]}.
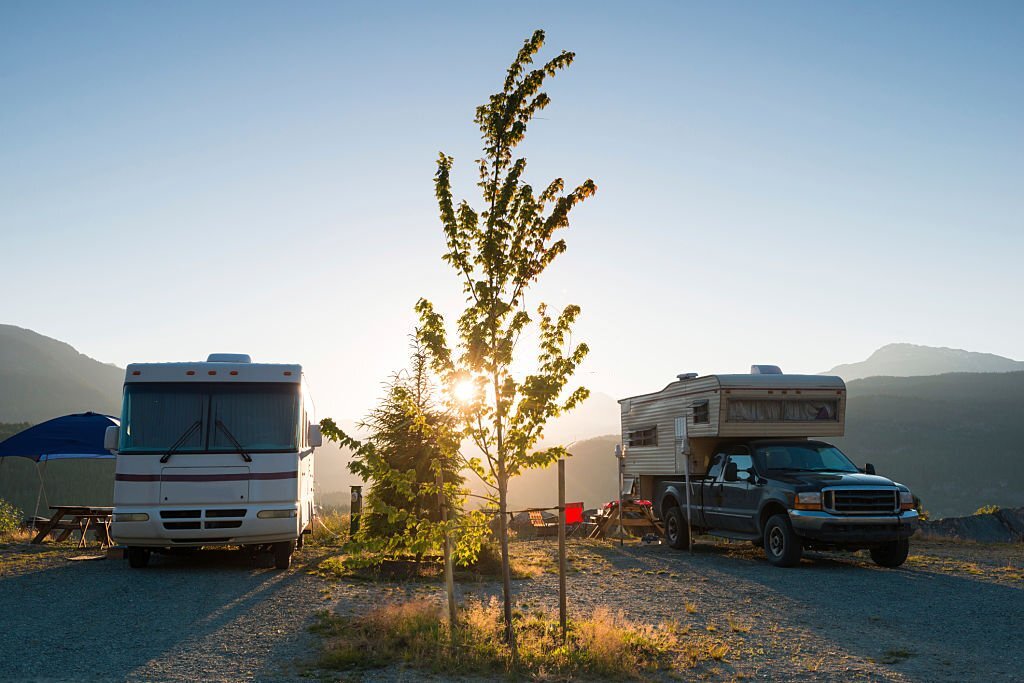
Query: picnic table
{"type": "Point", "coordinates": [69, 518]}
{"type": "Point", "coordinates": [635, 513]}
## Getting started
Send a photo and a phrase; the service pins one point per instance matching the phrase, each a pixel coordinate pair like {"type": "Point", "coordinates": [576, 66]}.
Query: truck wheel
{"type": "Point", "coordinates": [283, 554]}
{"type": "Point", "coordinates": [782, 546]}
{"type": "Point", "coordinates": [675, 528]}
{"type": "Point", "coordinates": [891, 554]}
{"type": "Point", "coordinates": [138, 558]}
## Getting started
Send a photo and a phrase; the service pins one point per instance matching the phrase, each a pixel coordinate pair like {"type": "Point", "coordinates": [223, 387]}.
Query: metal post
{"type": "Point", "coordinates": [683, 451]}
{"type": "Point", "coordinates": [689, 529]}
{"type": "Point", "coordinates": [449, 581]}
{"type": "Point", "coordinates": [621, 455]}
{"type": "Point", "coordinates": [355, 510]}
{"type": "Point", "coordinates": [561, 546]}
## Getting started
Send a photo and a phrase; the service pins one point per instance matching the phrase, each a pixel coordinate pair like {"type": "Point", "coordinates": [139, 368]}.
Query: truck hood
{"type": "Point", "coordinates": [822, 479]}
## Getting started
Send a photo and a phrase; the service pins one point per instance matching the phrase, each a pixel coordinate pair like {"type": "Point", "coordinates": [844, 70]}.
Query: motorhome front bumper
{"type": "Point", "coordinates": [853, 529]}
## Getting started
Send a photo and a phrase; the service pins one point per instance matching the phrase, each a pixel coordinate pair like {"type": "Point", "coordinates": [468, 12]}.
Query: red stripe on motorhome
{"type": "Point", "coordinates": [206, 477]}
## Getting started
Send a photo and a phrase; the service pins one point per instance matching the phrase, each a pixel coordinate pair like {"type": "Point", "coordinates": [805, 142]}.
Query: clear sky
{"type": "Point", "coordinates": [789, 183]}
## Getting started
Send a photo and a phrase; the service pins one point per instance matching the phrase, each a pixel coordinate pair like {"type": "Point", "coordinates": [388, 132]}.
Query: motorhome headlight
{"type": "Point", "coordinates": [906, 500]}
{"type": "Point", "coordinates": [131, 517]}
{"type": "Point", "coordinates": [809, 500]}
{"type": "Point", "coordinates": [275, 514]}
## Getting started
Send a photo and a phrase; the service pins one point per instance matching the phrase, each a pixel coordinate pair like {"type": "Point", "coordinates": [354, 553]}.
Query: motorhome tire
{"type": "Point", "coordinates": [283, 554]}
{"type": "Point", "coordinates": [782, 546]}
{"type": "Point", "coordinates": [891, 554]}
{"type": "Point", "coordinates": [675, 528]}
{"type": "Point", "coordinates": [138, 558]}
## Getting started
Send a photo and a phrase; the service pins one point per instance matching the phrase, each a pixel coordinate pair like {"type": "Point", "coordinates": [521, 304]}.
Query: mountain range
{"type": "Point", "coordinates": [944, 421]}
{"type": "Point", "coordinates": [911, 360]}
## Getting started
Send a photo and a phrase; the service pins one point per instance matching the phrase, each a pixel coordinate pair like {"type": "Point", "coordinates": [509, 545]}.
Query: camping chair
{"type": "Point", "coordinates": [542, 526]}
{"type": "Point", "coordinates": [573, 518]}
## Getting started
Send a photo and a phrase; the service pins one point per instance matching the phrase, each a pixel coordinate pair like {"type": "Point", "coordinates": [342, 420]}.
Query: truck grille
{"type": "Point", "coordinates": [861, 501]}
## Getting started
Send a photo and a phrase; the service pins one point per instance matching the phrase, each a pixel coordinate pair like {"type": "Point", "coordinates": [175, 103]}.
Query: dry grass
{"type": "Point", "coordinates": [606, 645]}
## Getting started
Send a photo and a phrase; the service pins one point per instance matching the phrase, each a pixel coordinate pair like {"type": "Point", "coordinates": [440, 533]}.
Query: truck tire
{"type": "Point", "coordinates": [782, 546]}
{"type": "Point", "coordinates": [675, 528]}
{"type": "Point", "coordinates": [138, 558]}
{"type": "Point", "coordinates": [891, 554]}
{"type": "Point", "coordinates": [283, 554]}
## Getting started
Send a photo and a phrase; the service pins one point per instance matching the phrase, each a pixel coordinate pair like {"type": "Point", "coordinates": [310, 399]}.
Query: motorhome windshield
{"type": "Point", "coordinates": [803, 458]}
{"type": "Point", "coordinates": [209, 418]}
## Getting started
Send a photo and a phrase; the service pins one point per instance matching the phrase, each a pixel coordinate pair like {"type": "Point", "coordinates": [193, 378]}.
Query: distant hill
{"type": "Point", "coordinates": [956, 439]}
{"type": "Point", "coordinates": [41, 378]}
{"type": "Point", "coordinates": [910, 360]}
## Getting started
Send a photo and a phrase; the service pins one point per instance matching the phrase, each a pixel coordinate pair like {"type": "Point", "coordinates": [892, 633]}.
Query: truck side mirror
{"type": "Point", "coordinates": [110, 437]}
{"type": "Point", "coordinates": [869, 469]}
{"type": "Point", "coordinates": [315, 437]}
{"type": "Point", "coordinates": [731, 472]}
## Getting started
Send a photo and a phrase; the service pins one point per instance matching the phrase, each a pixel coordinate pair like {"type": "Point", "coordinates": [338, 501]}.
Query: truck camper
{"type": "Point", "coordinates": [739, 456]}
{"type": "Point", "coordinates": [214, 453]}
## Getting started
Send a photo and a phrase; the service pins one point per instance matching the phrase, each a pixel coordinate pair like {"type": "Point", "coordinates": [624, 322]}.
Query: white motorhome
{"type": "Point", "coordinates": [214, 453]}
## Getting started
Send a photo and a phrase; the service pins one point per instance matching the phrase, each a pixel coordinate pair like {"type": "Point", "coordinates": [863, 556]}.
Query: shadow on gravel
{"type": "Point", "coordinates": [940, 626]}
{"type": "Point", "coordinates": [103, 620]}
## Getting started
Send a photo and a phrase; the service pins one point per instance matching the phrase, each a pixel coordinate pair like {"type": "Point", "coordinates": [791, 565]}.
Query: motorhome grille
{"type": "Point", "coordinates": [179, 514]}
{"type": "Point", "coordinates": [181, 525]}
{"type": "Point", "coordinates": [862, 501]}
{"type": "Point", "coordinates": [225, 513]}
{"type": "Point", "coordinates": [223, 525]}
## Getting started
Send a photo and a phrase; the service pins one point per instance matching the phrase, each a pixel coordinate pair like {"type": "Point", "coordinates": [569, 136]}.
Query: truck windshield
{"type": "Point", "coordinates": [257, 417]}
{"type": "Point", "coordinates": [803, 458]}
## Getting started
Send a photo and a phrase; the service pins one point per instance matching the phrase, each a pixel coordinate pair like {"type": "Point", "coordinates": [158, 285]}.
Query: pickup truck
{"type": "Point", "coordinates": [788, 495]}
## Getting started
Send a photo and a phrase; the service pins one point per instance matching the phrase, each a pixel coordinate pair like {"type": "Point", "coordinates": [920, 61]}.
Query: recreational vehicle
{"type": "Point", "coordinates": [740, 456]}
{"type": "Point", "coordinates": [214, 453]}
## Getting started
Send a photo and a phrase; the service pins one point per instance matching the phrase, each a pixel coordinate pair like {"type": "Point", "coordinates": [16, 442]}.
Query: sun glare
{"type": "Point", "coordinates": [464, 391]}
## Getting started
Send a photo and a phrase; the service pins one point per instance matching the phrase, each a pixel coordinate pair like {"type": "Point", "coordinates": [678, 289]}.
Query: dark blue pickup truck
{"type": "Point", "coordinates": [788, 495]}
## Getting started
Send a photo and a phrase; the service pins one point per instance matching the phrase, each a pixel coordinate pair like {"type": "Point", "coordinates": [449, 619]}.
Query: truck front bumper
{"type": "Point", "coordinates": [853, 530]}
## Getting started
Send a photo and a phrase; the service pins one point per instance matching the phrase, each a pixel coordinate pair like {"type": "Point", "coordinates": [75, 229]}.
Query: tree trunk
{"type": "Point", "coordinates": [506, 571]}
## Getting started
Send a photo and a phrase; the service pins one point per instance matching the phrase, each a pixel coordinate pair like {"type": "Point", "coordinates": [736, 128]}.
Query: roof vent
{"type": "Point", "coordinates": [686, 375]}
{"type": "Point", "coordinates": [765, 370]}
{"type": "Point", "coordinates": [228, 358]}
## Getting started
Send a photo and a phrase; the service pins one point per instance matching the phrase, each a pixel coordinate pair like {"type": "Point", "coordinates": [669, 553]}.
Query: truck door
{"type": "Point", "coordinates": [711, 493]}
{"type": "Point", "coordinates": [737, 500]}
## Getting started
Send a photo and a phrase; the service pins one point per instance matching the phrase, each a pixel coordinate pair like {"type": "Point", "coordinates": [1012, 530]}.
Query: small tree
{"type": "Point", "coordinates": [411, 439]}
{"type": "Point", "coordinates": [498, 253]}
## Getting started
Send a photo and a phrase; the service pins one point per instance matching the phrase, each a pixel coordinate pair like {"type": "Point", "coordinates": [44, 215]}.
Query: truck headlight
{"type": "Point", "coordinates": [906, 500]}
{"type": "Point", "coordinates": [275, 514]}
{"type": "Point", "coordinates": [810, 500]}
{"type": "Point", "coordinates": [131, 517]}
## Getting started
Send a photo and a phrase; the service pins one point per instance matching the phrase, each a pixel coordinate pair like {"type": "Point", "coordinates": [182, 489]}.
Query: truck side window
{"type": "Point", "coordinates": [717, 463]}
{"type": "Point", "coordinates": [743, 463]}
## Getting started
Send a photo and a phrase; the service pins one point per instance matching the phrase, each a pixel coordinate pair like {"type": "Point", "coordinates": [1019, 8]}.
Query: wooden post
{"type": "Point", "coordinates": [561, 545]}
{"type": "Point", "coordinates": [449, 580]}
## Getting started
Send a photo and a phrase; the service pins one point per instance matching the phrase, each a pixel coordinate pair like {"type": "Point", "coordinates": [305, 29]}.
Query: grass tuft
{"type": "Point", "coordinates": [606, 645]}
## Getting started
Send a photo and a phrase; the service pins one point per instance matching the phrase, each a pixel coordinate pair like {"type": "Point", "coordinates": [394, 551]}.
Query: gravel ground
{"type": "Point", "coordinates": [955, 612]}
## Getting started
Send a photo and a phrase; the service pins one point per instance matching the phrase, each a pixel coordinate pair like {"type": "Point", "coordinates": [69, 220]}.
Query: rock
{"type": "Point", "coordinates": [1005, 526]}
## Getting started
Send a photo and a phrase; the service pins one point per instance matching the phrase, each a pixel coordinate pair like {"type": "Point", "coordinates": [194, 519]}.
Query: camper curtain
{"type": "Point", "coordinates": [261, 420]}
{"type": "Point", "coordinates": [155, 417]}
{"type": "Point", "coordinates": [780, 410]}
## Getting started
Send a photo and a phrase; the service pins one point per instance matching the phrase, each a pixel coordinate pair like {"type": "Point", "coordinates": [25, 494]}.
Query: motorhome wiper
{"type": "Point", "coordinates": [181, 440]}
{"type": "Point", "coordinates": [234, 442]}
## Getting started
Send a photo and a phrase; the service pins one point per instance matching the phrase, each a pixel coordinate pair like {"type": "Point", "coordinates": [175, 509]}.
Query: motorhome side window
{"type": "Point", "coordinates": [648, 436]}
{"type": "Point", "coordinates": [701, 415]}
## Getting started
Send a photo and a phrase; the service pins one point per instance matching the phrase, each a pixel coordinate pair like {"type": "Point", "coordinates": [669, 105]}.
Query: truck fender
{"type": "Point", "coordinates": [670, 492]}
{"type": "Point", "coordinates": [769, 507]}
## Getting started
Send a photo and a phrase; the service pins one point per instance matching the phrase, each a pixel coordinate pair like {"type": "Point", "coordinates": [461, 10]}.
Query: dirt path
{"type": "Point", "coordinates": [954, 613]}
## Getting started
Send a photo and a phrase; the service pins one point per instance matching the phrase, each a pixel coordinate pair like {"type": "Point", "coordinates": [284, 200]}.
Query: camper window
{"type": "Point", "coordinates": [781, 410]}
{"type": "Point", "coordinates": [700, 412]}
{"type": "Point", "coordinates": [648, 436]}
